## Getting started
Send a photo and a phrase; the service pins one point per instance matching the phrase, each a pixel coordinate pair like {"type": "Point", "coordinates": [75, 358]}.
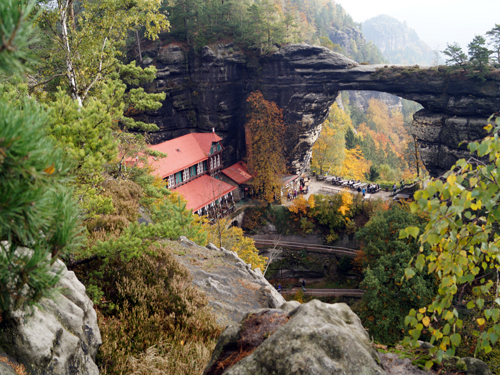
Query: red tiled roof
{"type": "Point", "coordinates": [182, 152]}
{"type": "Point", "coordinates": [238, 172]}
{"type": "Point", "coordinates": [203, 190]}
{"type": "Point", "coordinates": [205, 140]}
{"type": "Point", "coordinates": [287, 179]}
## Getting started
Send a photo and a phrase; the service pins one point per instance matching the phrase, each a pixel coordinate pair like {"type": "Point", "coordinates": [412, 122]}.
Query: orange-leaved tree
{"type": "Point", "coordinates": [265, 131]}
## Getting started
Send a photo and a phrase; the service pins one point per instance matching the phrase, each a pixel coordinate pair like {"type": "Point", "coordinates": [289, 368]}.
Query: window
{"type": "Point", "coordinates": [211, 150]}
{"type": "Point", "coordinates": [178, 178]}
{"type": "Point", "coordinates": [218, 146]}
{"type": "Point", "coordinates": [171, 181]}
{"type": "Point", "coordinates": [200, 167]}
{"type": "Point", "coordinates": [218, 160]}
{"type": "Point", "coordinates": [205, 166]}
{"type": "Point", "coordinates": [193, 171]}
{"type": "Point", "coordinates": [185, 175]}
{"type": "Point", "coordinates": [211, 163]}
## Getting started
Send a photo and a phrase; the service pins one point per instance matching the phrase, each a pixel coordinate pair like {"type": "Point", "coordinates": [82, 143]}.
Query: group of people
{"type": "Point", "coordinates": [373, 188]}
{"type": "Point", "coordinates": [292, 194]}
{"type": "Point", "coordinates": [394, 187]}
{"type": "Point", "coordinates": [351, 183]}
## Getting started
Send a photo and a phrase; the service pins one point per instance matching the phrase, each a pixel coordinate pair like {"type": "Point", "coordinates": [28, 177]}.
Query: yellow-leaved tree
{"type": "Point", "coordinates": [346, 197]}
{"type": "Point", "coordinates": [328, 151]}
{"type": "Point", "coordinates": [355, 165]}
{"type": "Point", "coordinates": [301, 207]}
{"type": "Point", "coordinates": [223, 235]}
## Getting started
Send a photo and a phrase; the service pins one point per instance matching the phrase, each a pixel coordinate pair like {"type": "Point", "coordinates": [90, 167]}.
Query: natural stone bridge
{"type": "Point", "coordinates": [209, 90]}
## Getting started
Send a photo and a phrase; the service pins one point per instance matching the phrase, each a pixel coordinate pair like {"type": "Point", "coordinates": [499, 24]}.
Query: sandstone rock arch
{"type": "Point", "coordinates": [209, 90]}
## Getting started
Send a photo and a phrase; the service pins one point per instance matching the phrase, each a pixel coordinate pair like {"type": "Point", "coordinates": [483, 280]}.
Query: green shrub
{"type": "Point", "coordinates": [159, 308]}
{"type": "Point", "coordinates": [384, 257]}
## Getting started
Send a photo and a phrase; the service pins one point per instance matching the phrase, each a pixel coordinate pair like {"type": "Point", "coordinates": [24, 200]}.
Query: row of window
{"type": "Point", "coordinates": [215, 162]}
{"type": "Point", "coordinates": [193, 171]}
{"type": "Point", "coordinates": [215, 148]}
{"type": "Point", "coordinates": [187, 173]}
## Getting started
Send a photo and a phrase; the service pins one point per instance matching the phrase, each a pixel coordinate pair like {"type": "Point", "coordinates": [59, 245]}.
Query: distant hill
{"type": "Point", "coordinates": [398, 43]}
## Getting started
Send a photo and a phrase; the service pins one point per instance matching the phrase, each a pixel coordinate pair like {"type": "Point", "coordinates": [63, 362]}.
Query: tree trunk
{"type": "Point", "coordinates": [72, 14]}
{"type": "Point", "coordinates": [138, 45]}
{"type": "Point", "coordinates": [185, 23]}
{"type": "Point", "coordinates": [416, 155]}
{"type": "Point", "coordinates": [63, 14]}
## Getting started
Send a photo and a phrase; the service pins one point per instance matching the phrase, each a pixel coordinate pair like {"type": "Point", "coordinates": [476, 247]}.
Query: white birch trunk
{"type": "Point", "coordinates": [70, 70]}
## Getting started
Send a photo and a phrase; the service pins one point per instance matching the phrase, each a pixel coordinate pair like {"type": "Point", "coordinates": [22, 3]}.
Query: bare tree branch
{"type": "Point", "coordinates": [48, 80]}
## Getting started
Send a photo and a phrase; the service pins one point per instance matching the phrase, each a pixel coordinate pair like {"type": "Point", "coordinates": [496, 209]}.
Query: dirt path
{"type": "Point", "coordinates": [315, 187]}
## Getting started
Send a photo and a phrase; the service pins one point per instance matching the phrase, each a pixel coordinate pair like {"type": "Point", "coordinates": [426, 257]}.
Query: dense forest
{"type": "Point", "coordinates": [261, 26]}
{"type": "Point", "coordinates": [375, 146]}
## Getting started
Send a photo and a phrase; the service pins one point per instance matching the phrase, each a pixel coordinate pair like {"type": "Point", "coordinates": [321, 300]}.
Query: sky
{"type": "Point", "coordinates": [437, 22]}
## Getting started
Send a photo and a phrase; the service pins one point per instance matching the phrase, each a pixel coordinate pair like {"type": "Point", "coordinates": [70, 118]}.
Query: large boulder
{"type": "Point", "coordinates": [233, 288]}
{"type": "Point", "coordinates": [58, 336]}
{"type": "Point", "coordinates": [476, 367]}
{"type": "Point", "coordinates": [313, 338]}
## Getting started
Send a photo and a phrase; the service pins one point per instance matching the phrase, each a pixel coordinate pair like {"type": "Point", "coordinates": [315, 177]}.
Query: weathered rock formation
{"type": "Point", "coordinates": [208, 90]}
{"type": "Point", "coordinates": [59, 337]}
{"type": "Point", "coordinates": [313, 338]}
{"type": "Point", "coordinates": [232, 287]}
{"type": "Point", "coordinates": [361, 99]}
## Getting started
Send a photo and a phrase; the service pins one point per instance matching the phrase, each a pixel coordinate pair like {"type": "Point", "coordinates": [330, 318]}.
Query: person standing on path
{"type": "Point", "coordinates": [304, 285]}
{"type": "Point", "coordinates": [394, 188]}
{"type": "Point", "coordinates": [364, 191]}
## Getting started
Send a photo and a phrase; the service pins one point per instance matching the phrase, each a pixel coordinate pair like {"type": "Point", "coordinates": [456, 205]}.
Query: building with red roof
{"type": "Point", "coordinates": [239, 176]}
{"type": "Point", "coordinates": [238, 173]}
{"type": "Point", "coordinates": [191, 168]}
{"type": "Point", "coordinates": [202, 192]}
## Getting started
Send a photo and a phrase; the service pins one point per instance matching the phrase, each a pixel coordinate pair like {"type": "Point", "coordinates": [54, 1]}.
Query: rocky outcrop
{"type": "Point", "coordinates": [361, 99]}
{"type": "Point", "coordinates": [232, 287]}
{"type": "Point", "coordinates": [440, 136]}
{"type": "Point", "coordinates": [344, 37]}
{"type": "Point", "coordinates": [313, 338]}
{"type": "Point", "coordinates": [59, 336]}
{"type": "Point", "coordinates": [208, 90]}
{"type": "Point", "coordinates": [476, 367]}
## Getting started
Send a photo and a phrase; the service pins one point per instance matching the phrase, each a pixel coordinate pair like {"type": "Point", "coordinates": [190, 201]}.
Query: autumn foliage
{"type": "Point", "coordinates": [264, 133]}
{"type": "Point", "coordinates": [231, 238]}
{"type": "Point", "coordinates": [328, 151]}
{"type": "Point", "coordinates": [352, 141]}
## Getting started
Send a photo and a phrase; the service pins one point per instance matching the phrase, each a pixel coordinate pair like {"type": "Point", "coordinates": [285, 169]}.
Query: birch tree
{"type": "Point", "coordinates": [85, 44]}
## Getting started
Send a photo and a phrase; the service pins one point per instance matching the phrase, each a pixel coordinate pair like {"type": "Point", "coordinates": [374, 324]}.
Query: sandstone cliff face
{"type": "Point", "coordinates": [361, 99]}
{"type": "Point", "coordinates": [208, 90]}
